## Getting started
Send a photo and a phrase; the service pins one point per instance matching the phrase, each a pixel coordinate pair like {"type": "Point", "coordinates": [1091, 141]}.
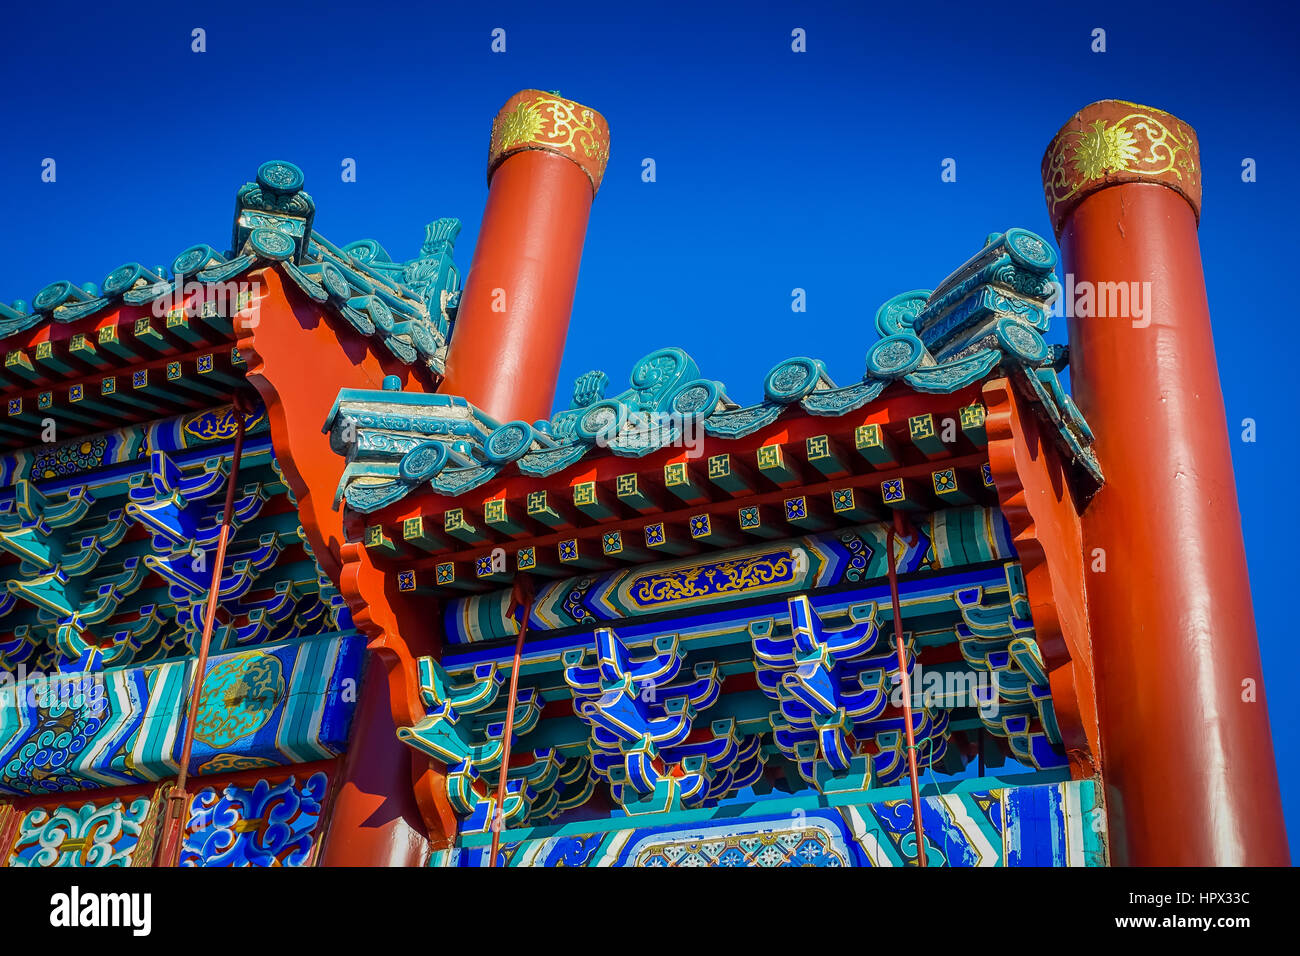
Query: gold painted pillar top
{"type": "Point", "coordinates": [532, 119]}
{"type": "Point", "coordinates": [1114, 141]}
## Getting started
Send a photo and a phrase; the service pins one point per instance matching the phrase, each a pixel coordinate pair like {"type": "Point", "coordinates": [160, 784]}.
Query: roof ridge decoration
{"type": "Point", "coordinates": [989, 314]}
{"type": "Point", "coordinates": [407, 307]}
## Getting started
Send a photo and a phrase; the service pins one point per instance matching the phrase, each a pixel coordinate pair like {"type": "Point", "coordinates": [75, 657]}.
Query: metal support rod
{"type": "Point", "coordinates": [498, 815]}
{"type": "Point", "coordinates": [907, 691]}
{"type": "Point", "coordinates": [175, 801]}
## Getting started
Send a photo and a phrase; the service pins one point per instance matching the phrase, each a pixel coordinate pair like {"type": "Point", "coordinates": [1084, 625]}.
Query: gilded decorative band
{"type": "Point", "coordinates": [1114, 141]}
{"type": "Point", "coordinates": [532, 119]}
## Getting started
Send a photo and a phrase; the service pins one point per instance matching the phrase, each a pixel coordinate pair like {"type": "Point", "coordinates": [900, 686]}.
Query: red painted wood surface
{"type": "Point", "coordinates": [298, 361]}
{"type": "Point", "coordinates": [374, 820]}
{"type": "Point", "coordinates": [1036, 501]}
{"type": "Point", "coordinates": [1188, 756]}
{"type": "Point", "coordinates": [514, 312]}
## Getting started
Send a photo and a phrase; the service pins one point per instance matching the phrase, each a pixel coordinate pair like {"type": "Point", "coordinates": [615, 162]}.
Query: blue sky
{"type": "Point", "coordinates": [775, 170]}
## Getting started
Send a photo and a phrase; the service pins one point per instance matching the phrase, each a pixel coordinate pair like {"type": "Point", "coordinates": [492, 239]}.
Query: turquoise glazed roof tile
{"type": "Point", "coordinates": [407, 307]}
{"type": "Point", "coordinates": [987, 318]}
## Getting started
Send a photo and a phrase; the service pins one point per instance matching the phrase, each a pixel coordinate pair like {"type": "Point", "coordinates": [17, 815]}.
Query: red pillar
{"type": "Point", "coordinates": [545, 164]}
{"type": "Point", "coordinates": [374, 821]}
{"type": "Point", "coordinates": [1187, 755]}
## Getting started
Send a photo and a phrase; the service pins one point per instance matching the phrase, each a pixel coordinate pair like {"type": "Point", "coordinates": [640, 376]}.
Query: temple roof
{"type": "Point", "coordinates": [404, 306]}
{"type": "Point", "coordinates": [987, 318]}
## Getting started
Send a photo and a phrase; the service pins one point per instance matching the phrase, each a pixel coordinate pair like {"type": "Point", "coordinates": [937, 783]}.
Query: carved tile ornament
{"type": "Point", "coordinates": [1114, 141]}
{"type": "Point", "coordinates": [988, 318]}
